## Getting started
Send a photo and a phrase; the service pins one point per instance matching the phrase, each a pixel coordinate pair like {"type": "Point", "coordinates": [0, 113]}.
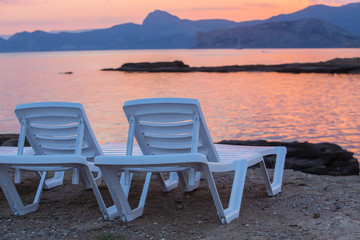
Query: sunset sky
{"type": "Point", "coordinates": [30, 15]}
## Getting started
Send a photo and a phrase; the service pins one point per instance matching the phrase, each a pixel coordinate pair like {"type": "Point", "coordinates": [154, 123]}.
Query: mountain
{"type": "Point", "coordinates": [159, 30]}
{"type": "Point", "coordinates": [346, 16]}
{"type": "Point", "coordinates": [305, 33]}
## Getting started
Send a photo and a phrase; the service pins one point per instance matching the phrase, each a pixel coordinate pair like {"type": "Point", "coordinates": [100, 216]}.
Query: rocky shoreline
{"type": "Point", "coordinates": [309, 206]}
{"type": "Point", "coordinates": [313, 158]}
{"type": "Point", "coordinates": [334, 66]}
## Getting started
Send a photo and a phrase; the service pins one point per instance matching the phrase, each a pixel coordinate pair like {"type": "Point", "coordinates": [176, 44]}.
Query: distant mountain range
{"type": "Point", "coordinates": [346, 16]}
{"type": "Point", "coordinates": [305, 33]}
{"type": "Point", "coordinates": [315, 26]}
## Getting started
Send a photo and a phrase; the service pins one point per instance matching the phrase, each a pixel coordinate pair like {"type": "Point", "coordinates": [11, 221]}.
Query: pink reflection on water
{"type": "Point", "coordinates": [272, 106]}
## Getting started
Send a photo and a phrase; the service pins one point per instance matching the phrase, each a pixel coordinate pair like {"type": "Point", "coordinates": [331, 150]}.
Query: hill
{"type": "Point", "coordinates": [160, 30]}
{"type": "Point", "coordinates": [335, 27]}
{"type": "Point", "coordinates": [346, 16]}
{"type": "Point", "coordinates": [305, 33]}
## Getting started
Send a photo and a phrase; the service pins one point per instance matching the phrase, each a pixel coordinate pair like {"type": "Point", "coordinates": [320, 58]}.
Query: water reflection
{"type": "Point", "coordinates": [272, 106]}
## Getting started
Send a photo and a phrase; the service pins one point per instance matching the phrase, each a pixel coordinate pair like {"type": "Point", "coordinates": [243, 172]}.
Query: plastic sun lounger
{"type": "Point", "coordinates": [173, 136]}
{"type": "Point", "coordinates": [62, 139]}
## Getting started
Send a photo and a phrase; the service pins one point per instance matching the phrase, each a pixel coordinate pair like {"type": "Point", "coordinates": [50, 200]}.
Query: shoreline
{"type": "Point", "coordinates": [333, 66]}
{"type": "Point", "coordinates": [309, 206]}
{"type": "Point", "coordinates": [313, 158]}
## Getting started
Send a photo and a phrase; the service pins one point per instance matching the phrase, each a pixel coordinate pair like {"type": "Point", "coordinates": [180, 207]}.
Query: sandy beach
{"type": "Point", "coordinates": [309, 207]}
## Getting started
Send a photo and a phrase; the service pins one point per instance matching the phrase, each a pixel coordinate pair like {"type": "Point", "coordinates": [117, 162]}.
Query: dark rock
{"type": "Point", "coordinates": [337, 65]}
{"type": "Point", "coordinates": [10, 140]}
{"type": "Point", "coordinates": [175, 66]}
{"type": "Point", "coordinates": [314, 158]}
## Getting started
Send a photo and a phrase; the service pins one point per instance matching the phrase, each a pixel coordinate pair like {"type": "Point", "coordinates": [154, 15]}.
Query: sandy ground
{"type": "Point", "coordinates": [309, 207]}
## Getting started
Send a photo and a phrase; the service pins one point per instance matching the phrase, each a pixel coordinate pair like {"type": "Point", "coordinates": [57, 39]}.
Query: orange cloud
{"type": "Point", "coordinates": [30, 15]}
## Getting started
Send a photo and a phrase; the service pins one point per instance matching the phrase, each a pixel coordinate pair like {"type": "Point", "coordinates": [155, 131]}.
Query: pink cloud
{"type": "Point", "coordinates": [333, 2]}
{"type": "Point", "coordinates": [13, 2]}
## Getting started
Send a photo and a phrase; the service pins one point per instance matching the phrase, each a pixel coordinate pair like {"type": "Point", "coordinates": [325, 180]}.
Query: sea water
{"type": "Point", "coordinates": [244, 105]}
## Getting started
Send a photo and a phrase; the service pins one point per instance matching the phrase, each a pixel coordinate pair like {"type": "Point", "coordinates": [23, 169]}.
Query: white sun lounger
{"type": "Point", "coordinates": [173, 136]}
{"type": "Point", "coordinates": [62, 139]}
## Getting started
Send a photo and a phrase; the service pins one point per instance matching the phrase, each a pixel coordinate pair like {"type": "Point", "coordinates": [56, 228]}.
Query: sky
{"type": "Point", "coordinates": [47, 15]}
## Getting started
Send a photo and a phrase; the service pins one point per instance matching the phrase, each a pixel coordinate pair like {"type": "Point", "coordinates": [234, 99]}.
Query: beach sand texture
{"type": "Point", "coordinates": [309, 207]}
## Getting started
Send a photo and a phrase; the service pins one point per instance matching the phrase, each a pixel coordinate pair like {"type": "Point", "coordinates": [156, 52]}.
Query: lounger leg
{"type": "Point", "coordinates": [121, 205]}
{"type": "Point", "coordinates": [125, 181]}
{"type": "Point", "coordinates": [170, 184]}
{"type": "Point", "coordinates": [17, 177]}
{"type": "Point", "coordinates": [278, 170]}
{"type": "Point", "coordinates": [189, 182]}
{"type": "Point", "coordinates": [108, 213]}
{"type": "Point", "coordinates": [56, 181]}
{"type": "Point", "coordinates": [85, 179]}
{"type": "Point", "coordinates": [233, 210]}
{"type": "Point", "coordinates": [266, 178]}
{"type": "Point", "coordinates": [275, 187]}
{"type": "Point", "coordinates": [13, 196]}
{"type": "Point", "coordinates": [75, 177]}
{"type": "Point", "coordinates": [98, 178]}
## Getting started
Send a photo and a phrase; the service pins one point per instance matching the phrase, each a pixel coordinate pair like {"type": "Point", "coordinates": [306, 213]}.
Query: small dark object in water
{"type": "Point", "coordinates": [66, 73]}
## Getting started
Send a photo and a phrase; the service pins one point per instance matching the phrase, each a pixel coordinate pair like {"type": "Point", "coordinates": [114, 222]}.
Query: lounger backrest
{"type": "Point", "coordinates": [169, 125]}
{"type": "Point", "coordinates": [57, 128]}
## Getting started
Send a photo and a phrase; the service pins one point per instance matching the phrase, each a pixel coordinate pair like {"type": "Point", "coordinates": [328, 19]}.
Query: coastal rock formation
{"type": "Point", "coordinates": [337, 65]}
{"type": "Point", "coordinates": [319, 158]}
{"type": "Point", "coordinates": [175, 66]}
{"type": "Point", "coordinates": [10, 140]}
{"type": "Point", "coordinates": [314, 158]}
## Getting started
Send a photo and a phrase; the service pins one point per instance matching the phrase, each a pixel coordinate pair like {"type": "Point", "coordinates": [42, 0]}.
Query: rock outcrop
{"type": "Point", "coordinates": [337, 65]}
{"type": "Point", "coordinates": [314, 158]}
{"type": "Point", "coordinates": [10, 140]}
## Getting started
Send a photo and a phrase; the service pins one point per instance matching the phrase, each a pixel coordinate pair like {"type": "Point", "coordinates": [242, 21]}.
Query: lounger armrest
{"type": "Point", "coordinates": [42, 160]}
{"type": "Point", "coordinates": [231, 164]}
{"type": "Point", "coordinates": [150, 160]}
{"type": "Point", "coordinates": [269, 150]}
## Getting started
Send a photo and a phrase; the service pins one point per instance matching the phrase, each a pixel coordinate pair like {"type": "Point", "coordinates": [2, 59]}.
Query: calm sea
{"type": "Point", "coordinates": [245, 105]}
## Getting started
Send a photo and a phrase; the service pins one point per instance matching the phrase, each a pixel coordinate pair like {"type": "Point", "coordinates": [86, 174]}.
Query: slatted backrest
{"type": "Point", "coordinates": [169, 125]}
{"type": "Point", "coordinates": [57, 128]}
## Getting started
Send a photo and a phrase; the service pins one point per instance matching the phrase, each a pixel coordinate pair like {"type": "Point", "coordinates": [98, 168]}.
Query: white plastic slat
{"type": "Point", "coordinates": [156, 151]}
{"type": "Point", "coordinates": [181, 129]}
{"type": "Point", "coordinates": [52, 126]}
{"type": "Point", "coordinates": [167, 136]}
{"type": "Point", "coordinates": [50, 112]}
{"type": "Point", "coordinates": [55, 137]}
{"type": "Point", "coordinates": [55, 131]}
{"type": "Point", "coordinates": [157, 108]}
{"type": "Point", "coordinates": [53, 141]}
{"type": "Point", "coordinates": [171, 146]}
{"type": "Point", "coordinates": [58, 146]}
{"type": "Point", "coordinates": [168, 141]}
{"type": "Point", "coordinates": [53, 121]}
{"type": "Point", "coordinates": [165, 117]}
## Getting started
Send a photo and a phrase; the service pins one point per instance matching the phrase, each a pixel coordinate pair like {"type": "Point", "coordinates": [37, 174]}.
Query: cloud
{"type": "Point", "coordinates": [14, 2]}
{"type": "Point", "coordinates": [243, 7]}
{"type": "Point", "coordinates": [332, 2]}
